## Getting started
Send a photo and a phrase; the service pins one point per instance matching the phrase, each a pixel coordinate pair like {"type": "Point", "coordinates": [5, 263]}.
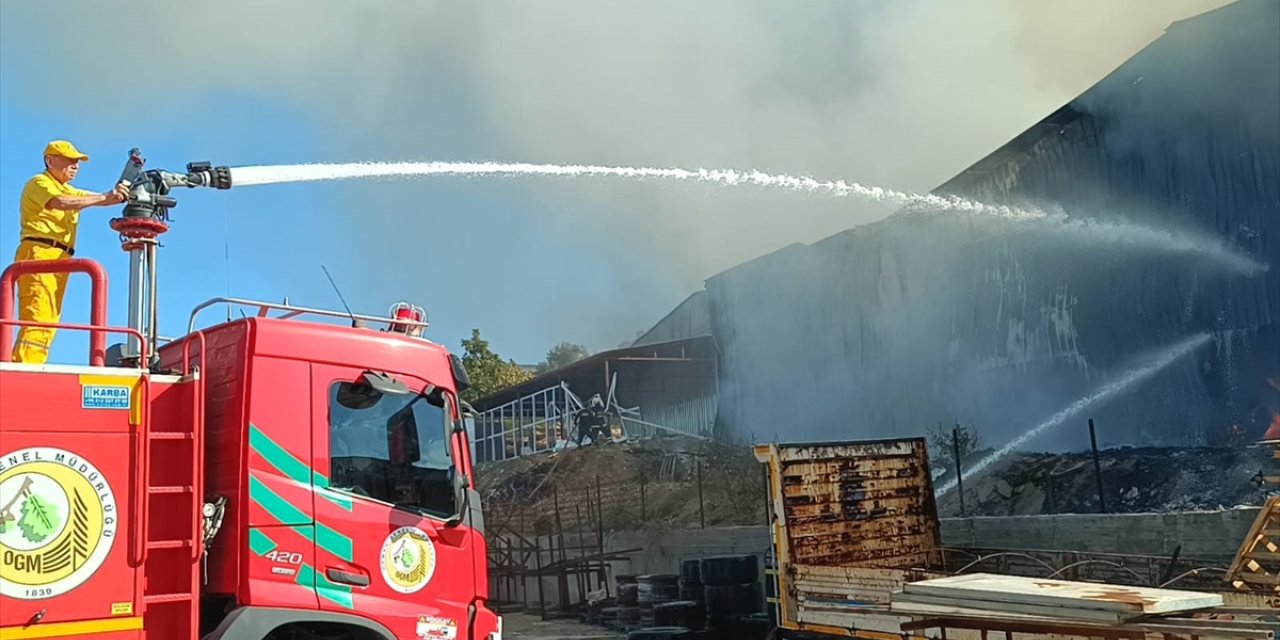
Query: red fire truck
{"type": "Point", "coordinates": [290, 473]}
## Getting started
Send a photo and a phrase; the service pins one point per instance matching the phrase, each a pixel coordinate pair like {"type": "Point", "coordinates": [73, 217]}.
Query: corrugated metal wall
{"type": "Point", "coordinates": [688, 320]}
{"type": "Point", "coordinates": [913, 322]}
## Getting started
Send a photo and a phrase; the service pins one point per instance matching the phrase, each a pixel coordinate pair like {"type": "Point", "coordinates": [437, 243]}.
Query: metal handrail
{"type": "Point", "coordinates": [97, 305]}
{"type": "Point", "coordinates": [102, 330]}
{"type": "Point", "coordinates": [294, 311]}
{"type": "Point", "coordinates": [197, 440]}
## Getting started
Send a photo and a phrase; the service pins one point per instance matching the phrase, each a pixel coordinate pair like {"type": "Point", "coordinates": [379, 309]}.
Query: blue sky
{"type": "Point", "coordinates": [902, 94]}
{"type": "Point", "coordinates": [269, 242]}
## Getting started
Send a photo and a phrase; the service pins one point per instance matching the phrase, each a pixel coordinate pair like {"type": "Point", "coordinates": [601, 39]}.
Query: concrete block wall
{"type": "Point", "coordinates": [663, 551]}
{"type": "Point", "coordinates": [1207, 534]}
{"type": "Point", "coordinates": [1201, 534]}
{"type": "Point", "coordinates": [1210, 535]}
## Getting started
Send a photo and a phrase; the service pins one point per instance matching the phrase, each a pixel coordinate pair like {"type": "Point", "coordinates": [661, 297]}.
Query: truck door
{"type": "Point", "coordinates": [384, 473]}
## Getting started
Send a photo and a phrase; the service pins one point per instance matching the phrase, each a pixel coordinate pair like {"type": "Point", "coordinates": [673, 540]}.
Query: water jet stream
{"type": "Point", "coordinates": [1056, 221]}
{"type": "Point", "coordinates": [275, 174]}
{"type": "Point", "coordinates": [1105, 393]}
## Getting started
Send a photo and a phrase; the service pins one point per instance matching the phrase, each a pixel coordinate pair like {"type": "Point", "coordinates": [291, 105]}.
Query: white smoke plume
{"type": "Point", "coordinates": [901, 94]}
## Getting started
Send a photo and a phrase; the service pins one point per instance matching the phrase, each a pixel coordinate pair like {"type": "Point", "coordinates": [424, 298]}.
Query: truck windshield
{"type": "Point", "coordinates": [394, 449]}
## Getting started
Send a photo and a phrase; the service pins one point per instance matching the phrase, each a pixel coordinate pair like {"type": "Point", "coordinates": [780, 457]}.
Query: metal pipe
{"type": "Point", "coordinates": [191, 325]}
{"type": "Point", "coordinates": [1097, 467]}
{"type": "Point", "coordinates": [153, 322]}
{"type": "Point", "coordinates": [137, 281]}
{"type": "Point", "coordinates": [702, 506]}
{"type": "Point", "coordinates": [955, 448]}
{"type": "Point", "coordinates": [97, 308]}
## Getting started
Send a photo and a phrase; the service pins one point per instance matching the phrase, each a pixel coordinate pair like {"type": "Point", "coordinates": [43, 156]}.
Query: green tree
{"type": "Point", "coordinates": [489, 372]}
{"type": "Point", "coordinates": [945, 439]}
{"type": "Point", "coordinates": [562, 355]}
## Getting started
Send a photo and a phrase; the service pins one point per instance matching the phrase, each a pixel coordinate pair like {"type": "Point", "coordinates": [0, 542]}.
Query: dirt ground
{"type": "Point", "coordinates": [519, 626]}
{"type": "Point", "coordinates": [668, 468]}
{"type": "Point", "coordinates": [1136, 480]}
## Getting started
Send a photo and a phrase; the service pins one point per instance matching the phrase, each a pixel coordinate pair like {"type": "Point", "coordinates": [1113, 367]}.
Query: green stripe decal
{"type": "Point", "coordinates": [280, 509]}
{"type": "Point", "coordinates": [307, 578]}
{"type": "Point", "coordinates": [336, 593]}
{"type": "Point", "coordinates": [293, 468]}
{"type": "Point", "coordinates": [259, 543]}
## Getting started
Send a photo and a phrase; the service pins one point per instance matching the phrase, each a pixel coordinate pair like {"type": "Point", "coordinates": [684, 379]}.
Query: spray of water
{"type": "Point", "coordinates": [1139, 235]}
{"type": "Point", "coordinates": [247, 176]}
{"type": "Point", "coordinates": [1129, 379]}
{"type": "Point", "coordinates": [1053, 219]}
{"type": "Point", "coordinates": [1114, 232]}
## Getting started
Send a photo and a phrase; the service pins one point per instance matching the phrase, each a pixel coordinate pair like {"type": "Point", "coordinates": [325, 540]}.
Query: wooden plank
{"type": "Point", "coordinates": [866, 620]}
{"type": "Point", "coordinates": [883, 527]}
{"type": "Point", "coordinates": [843, 451]}
{"type": "Point", "coordinates": [943, 611]}
{"type": "Point", "coordinates": [1047, 612]}
{"type": "Point", "coordinates": [834, 470]}
{"type": "Point", "coordinates": [1050, 629]}
{"type": "Point", "coordinates": [1000, 588]}
{"type": "Point", "coordinates": [837, 491]}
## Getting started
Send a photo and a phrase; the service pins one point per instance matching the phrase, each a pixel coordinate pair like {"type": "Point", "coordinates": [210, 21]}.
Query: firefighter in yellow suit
{"type": "Point", "coordinates": [50, 211]}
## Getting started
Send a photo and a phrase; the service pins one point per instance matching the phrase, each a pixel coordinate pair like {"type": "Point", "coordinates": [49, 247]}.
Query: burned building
{"type": "Point", "coordinates": [654, 387]}
{"type": "Point", "coordinates": [1168, 174]}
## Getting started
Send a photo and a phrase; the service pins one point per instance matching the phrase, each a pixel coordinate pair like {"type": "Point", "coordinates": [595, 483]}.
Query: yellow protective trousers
{"type": "Point", "coordinates": [39, 300]}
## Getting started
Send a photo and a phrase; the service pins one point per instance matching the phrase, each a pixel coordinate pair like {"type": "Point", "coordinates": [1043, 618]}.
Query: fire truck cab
{"type": "Point", "coordinates": [289, 473]}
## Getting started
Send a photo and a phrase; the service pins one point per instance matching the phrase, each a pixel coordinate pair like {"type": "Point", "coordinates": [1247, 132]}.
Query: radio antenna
{"type": "Point", "coordinates": [339, 292]}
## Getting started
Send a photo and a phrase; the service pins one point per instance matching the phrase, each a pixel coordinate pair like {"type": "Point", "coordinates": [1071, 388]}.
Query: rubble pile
{"type": "Point", "coordinates": [1134, 480]}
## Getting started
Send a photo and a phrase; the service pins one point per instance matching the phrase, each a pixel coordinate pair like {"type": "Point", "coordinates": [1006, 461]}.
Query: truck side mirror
{"type": "Point", "coordinates": [461, 379]}
{"type": "Point", "coordinates": [468, 417]}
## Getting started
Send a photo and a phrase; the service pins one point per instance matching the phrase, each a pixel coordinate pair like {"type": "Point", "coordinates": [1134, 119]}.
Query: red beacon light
{"type": "Point", "coordinates": [414, 317]}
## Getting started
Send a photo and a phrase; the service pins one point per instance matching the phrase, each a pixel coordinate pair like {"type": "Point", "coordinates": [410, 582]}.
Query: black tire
{"type": "Point", "coordinates": [696, 594]}
{"type": "Point", "coordinates": [691, 571]}
{"type": "Point", "coordinates": [722, 571]}
{"type": "Point", "coordinates": [735, 599]}
{"type": "Point", "coordinates": [659, 633]}
{"type": "Point", "coordinates": [753, 627]}
{"type": "Point", "coordinates": [681, 613]}
{"type": "Point", "coordinates": [664, 582]}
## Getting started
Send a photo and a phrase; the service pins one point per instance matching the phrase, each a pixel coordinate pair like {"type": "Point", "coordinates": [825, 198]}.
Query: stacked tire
{"type": "Point", "coordinates": [680, 613]}
{"type": "Point", "coordinates": [753, 627]}
{"type": "Point", "coordinates": [654, 590]}
{"type": "Point", "coordinates": [664, 633]}
{"type": "Point", "coordinates": [609, 618]}
{"type": "Point", "coordinates": [732, 591]}
{"type": "Point", "coordinates": [691, 581]}
{"type": "Point", "coordinates": [593, 613]}
{"type": "Point", "coordinates": [628, 615]}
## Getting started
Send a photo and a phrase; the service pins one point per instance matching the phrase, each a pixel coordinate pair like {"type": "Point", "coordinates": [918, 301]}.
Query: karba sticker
{"type": "Point", "coordinates": [58, 521]}
{"type": "Point", "coordinates": [105, 397]}
{"type": "Point", "coordinates": [437, 628]}
{"type": "Point", "coordinates": [408, 560]}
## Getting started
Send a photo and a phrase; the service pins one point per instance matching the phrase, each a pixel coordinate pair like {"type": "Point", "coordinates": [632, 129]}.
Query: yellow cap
{"type": "Point", "coordinates": [64, 149]}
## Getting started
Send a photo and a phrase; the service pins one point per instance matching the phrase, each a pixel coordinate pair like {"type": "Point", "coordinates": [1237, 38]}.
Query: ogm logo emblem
{"type": "Point", "coordinates": [408, 559]}
{"type": "Point", "coordinates": [58, 521]}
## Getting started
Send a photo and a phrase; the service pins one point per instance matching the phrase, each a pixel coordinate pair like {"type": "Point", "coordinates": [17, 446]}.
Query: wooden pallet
{"type": "Point", "coordinates": [1256, 567]}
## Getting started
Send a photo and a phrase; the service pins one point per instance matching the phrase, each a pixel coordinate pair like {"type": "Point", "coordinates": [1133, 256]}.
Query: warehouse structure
{"type": "Point", "coordinates": [925, 319]}
{"type": "Point", "coordinates": [896, 327]}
